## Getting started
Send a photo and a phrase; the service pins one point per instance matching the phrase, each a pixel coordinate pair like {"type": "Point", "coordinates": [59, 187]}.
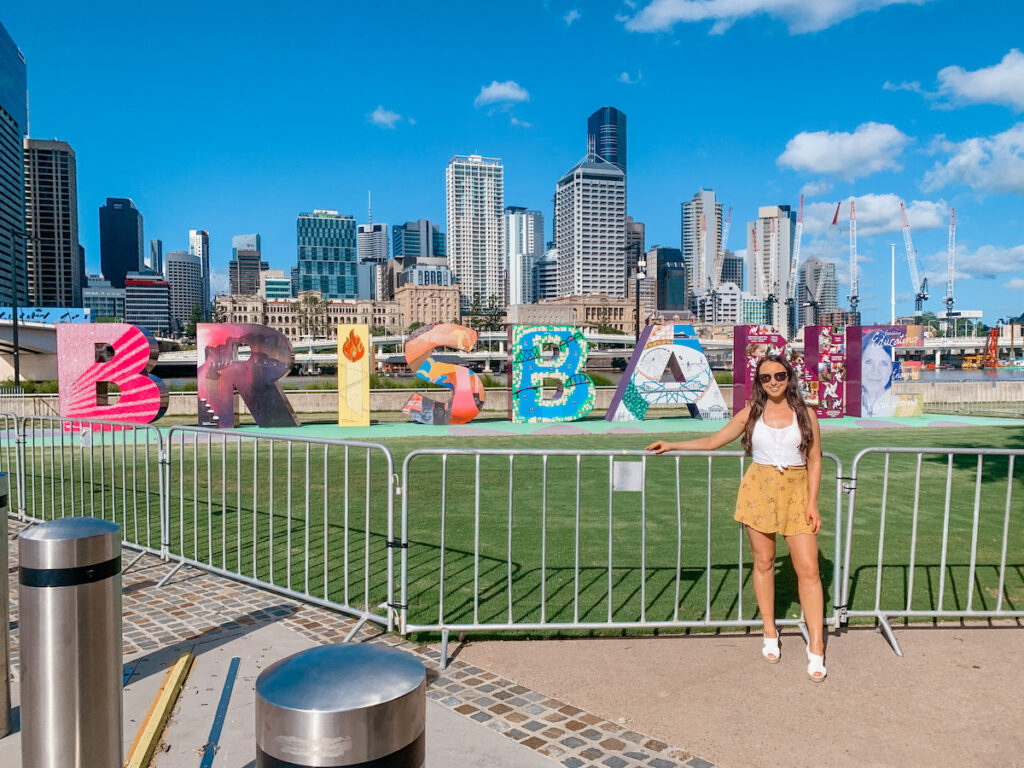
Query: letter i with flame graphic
{"type": "Point", "coordinates": [354, 366]}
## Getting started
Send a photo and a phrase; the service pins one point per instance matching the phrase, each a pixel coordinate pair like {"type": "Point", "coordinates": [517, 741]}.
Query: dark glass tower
{"type": "Point", "coordinates": [606, 136]}
{"type": "Point", "coordinates": [120, 239]}
{"type": "Point", "coordinates": [13, 129]}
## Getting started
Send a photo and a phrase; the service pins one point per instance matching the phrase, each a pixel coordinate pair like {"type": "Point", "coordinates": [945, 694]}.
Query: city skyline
{"type": "Point", "coordinates": [907, 126]}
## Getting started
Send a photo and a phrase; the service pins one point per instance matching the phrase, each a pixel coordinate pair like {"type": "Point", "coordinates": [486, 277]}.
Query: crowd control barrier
{"type": "Point", "coordinates": [521, 540]}
{"type": "Point", "coordinates": [304, 517]}
{"type": "Point", "coordinates": [933, 533]}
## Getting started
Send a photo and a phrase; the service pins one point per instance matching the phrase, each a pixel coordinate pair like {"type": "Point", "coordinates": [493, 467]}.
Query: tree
{"type": "Point", "coordinates": [473, 316]}
{"type": "Point", "coordinates": [312, 309]}
{"type": "Point", "coordinates": [220, 315]}
{"type": "Point", "coordinates": [413, 326]}
{"type": "Point", "coordinates": [378, 330]}
{"type": "Point", "coordinates": [195, 317]}
{"type": "Point", "coordinates": [493, 315]}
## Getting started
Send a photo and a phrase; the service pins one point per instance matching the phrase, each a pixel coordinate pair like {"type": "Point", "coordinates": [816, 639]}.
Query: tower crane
{"type": "Point", "coordinates": [794, 262]}
{"type": "Point", "coordinates": [720, 256]}
{"type": "Point", "coordinates": [854, 297]}
{"type": "Point", "coordinates": [920, 285]}
{"type": "Point", "coordinates": [950, 267]}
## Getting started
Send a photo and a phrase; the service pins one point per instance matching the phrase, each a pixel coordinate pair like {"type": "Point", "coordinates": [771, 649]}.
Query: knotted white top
{"type": "Point", "coordinates": [777, 447]}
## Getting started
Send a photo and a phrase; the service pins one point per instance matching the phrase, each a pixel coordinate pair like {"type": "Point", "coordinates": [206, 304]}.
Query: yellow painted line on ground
{"type": "Point", "coordinates": [152, 728]}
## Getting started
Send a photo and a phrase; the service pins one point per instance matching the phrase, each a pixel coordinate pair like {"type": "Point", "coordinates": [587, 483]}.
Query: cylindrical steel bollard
{"type": "Point", "coordinates": [342, 705]}
{"type": "Point", "coordinates": [70, 622]}
{"type": "Point", "coordinates": [5, 614]}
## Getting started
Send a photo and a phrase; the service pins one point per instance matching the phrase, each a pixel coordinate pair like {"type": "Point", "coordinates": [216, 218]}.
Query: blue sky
{"type": "Point", "coordinates": [234, 117]}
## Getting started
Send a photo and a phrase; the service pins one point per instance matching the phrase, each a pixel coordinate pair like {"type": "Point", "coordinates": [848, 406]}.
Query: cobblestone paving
{"type": "Point", "coordinates": [195, 606]}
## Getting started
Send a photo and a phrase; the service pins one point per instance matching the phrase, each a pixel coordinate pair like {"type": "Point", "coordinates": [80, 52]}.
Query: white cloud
{"type": "Point", "coordinates": [571, 16]}
{"type": "Point", "coordinates": [385, 118]}
{"type": "Point", "coordinates": [799, 15]}
{"type": "Point", "coordinates": [877, 214]}
{"type": "Point", "coordinates": [628, 79]}
{"type": "Point", "coordinates": [815, 188]}
{"type": "Point", "coordinates": [990, 165]}
{"type": "Point", "coordinates": [872, 147]}
{"type": "Point", "coordinates": [1016, 284]}
{"type": "Point", "coordinates": [913, 86]}
{"type": "Point", "coordinates": [521, 123]}
{"type": "Point", "coordinates": [507, 92]}
{"type": "Point", "coordinates": [1002, 83]}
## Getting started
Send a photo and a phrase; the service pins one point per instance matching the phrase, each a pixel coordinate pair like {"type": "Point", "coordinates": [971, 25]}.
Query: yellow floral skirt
{"type": "Point", "coordinates": [773, 501]}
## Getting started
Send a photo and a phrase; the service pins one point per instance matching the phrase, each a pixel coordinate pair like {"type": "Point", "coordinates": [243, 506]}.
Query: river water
{"type": "Point", "coordinates": [959, 374]}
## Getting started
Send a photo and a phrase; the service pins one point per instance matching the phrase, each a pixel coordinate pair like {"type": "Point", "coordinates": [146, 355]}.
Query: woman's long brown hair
{"type": "Point", "coordinates": [793, 398]}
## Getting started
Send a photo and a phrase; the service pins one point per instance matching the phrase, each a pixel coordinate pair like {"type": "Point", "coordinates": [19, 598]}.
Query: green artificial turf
{"type": "Point", "coordinates": [297, 537]}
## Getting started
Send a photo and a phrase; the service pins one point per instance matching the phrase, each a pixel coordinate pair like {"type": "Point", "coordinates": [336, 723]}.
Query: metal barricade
{"type": "Point", "coordinates": [930, 535]}
{"type": "Point", "coordinates": [91, 468]}
{"type": "Point", "coordinates": [10, 457]}
{"type": "Point", "coordinates": [535, 540]}
{"type": "Point", "coordinates": [304, 517]}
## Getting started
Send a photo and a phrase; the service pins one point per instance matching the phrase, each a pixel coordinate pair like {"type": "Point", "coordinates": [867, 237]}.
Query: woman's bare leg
{"type": "Point", "coordinates": [803, 550]}
{"type": "Point", "coordinates": [762, 546]}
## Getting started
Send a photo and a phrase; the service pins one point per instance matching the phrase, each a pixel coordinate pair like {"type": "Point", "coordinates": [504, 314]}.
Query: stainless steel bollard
{"type": "Point", "coordinates": [5, 613]}
{"type": "Point", "coordinates": [342, 705]}
{"type": "Point", "coordinates": [71, 668]}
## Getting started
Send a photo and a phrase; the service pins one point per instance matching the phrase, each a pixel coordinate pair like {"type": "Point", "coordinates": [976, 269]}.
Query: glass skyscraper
{"type": "Point", "coordinates": [606, 136]}
{"type": "Point", "coordinates": [13, 129]}
{"type": "Point", "coordinates": [327, 254]}
{"type": "Point", "coordinates": [120, 239]}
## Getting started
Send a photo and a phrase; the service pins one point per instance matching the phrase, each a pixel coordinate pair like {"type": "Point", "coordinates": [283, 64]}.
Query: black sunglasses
{"type": "Point", "coordinates": [779, 376]}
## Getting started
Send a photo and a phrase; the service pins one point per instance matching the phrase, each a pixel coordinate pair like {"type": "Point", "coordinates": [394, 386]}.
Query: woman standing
{"type": "Point", "coordinates": [779, 494]}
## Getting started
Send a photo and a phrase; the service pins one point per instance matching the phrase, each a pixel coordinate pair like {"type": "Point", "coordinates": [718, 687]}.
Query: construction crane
{"type": "Point", "coordinates": [854, 297]}
{"type": "Point", "coordinates": [794, 261]}
{"type": "Point", "coordinates": [720, 256]}
{"type": "Point", "coordinates": [950, 266]}
{"type": "Point", "coordinates": [920, 285]}
{"type": "Point", "coordinates": [773, 279]}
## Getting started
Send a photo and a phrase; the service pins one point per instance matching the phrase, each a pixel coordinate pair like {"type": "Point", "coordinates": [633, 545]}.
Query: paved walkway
{"type": "Point", "coordinates": [477, 718]}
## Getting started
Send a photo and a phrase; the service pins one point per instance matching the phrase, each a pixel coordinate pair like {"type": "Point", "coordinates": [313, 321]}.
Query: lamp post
{"type": "Point", "coordinates": [14, 298]}
{"type": "Point", "coordinates": [641, 264]}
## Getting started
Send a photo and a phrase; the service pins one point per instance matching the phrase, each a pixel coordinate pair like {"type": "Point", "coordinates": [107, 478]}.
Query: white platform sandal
{"type": "Point", "coordinates": [770, 650]}
{"type": "Point", "coordinates": [816, 667]}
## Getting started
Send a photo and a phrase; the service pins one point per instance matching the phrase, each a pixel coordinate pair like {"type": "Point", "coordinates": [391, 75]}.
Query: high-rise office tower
{"type": "Point", "coordinates": [246, 243]}
{"type": "Point", "coordinates": [545, 276]}
{"type": "Point", "coordinates": [667, 267]}
{"type": "Point", "coordinates": [524, 245]}
{"type": "Point", "coordinates": [51, 219]}
{"type": "Point", "coordinates": [475, 201]}
{"type": "Point", "coordinates": [769, 245]}
{"type": "Point", "coordinates": [701, 237]}
{"type": "Point", "coordinates": [147, 302]}
{"type": "Point", "coordinates": [732, 269]}
{"type": "Point", "coordinates": [817, 290]}
{"type": "Point", "coordinates": [327, 254]}
{"type": "Point", "coordinates": [199, 246]}
{"type": "Point", "coordinates": [416, 239]}
{"type": "Point", "coordinates": [636, 237]}
{"type": "Point", "coordinates": [606, 136]}
{"type": "Point", "coordinates": [590, 230]}
{"type": "Point", "coordinates": [103, 300]}
{"type": "Point", "coordinates": [372, 247]}
{"type": "Point", "coordinates": [185, 281]}
{"type": "Point", "coordinates": [120, 239]}
{"type": "Point", "coordinates": [13, 129]}
{"type": "Point", "coordinates": [156, 257]}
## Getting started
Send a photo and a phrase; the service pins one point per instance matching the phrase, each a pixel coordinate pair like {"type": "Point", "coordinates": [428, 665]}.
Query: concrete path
{"type": "Point", "coordinates": [952, 699]}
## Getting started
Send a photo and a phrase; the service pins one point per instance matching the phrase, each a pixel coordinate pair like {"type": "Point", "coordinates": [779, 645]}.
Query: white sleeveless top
{"type": "Point", "coordinates": [777, 447]}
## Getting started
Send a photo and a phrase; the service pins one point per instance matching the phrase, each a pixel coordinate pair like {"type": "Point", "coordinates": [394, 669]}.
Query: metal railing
{"type": "Point", "coordinates": [304, 517]}
{"type": "Point", "coordinates": [91, 468]}
{"type": "Point", "coordinates": [582, 540]}
{"type": "Point", "coordinates": [934, 552]}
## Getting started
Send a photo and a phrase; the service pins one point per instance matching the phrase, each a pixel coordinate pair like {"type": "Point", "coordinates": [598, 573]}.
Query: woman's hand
{"type": "Point", "coordinates": [813, 517]}
{"type": "Point", "coordinates": [660, 447]}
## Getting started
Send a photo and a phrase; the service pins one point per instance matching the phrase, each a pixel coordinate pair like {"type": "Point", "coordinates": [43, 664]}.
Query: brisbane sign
{"type": "Point", "coordinates": [547, 383]}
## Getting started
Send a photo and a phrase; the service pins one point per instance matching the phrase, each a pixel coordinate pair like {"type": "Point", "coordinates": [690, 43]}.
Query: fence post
{"type": "Point", "coordinates": [163, 483]}
{"type": "Point", "coordinates": [19, 462]}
